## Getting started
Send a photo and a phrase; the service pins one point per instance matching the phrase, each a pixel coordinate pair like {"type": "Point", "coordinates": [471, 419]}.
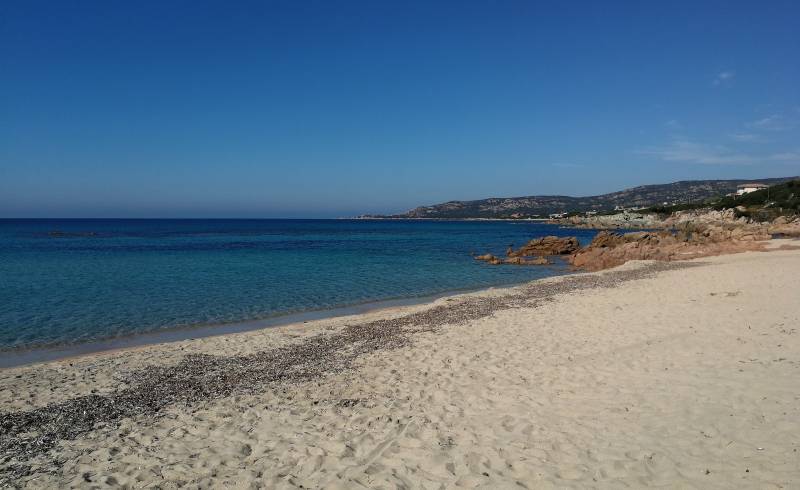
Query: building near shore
{"type": "Point", "coordinates": [748, 188]}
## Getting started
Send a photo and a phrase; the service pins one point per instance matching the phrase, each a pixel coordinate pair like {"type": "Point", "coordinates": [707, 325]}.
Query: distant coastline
{"type": "Point", "coordinates": [543, 206]}
{"type": "Point", "coordinates": [401, 218]}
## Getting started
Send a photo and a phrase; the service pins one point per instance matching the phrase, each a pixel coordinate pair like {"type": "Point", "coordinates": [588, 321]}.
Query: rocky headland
{"type": "Point", "coordinates": [622, 220]}
{"type": "Point", "coordinates": [682, 235]}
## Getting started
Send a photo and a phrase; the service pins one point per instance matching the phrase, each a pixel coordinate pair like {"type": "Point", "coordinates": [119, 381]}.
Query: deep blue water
{"type": "Point", "coordinates": [74, 281]}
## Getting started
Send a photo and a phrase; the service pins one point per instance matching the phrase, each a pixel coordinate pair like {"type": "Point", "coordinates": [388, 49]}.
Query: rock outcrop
{"type": "Point", "coordinates": [689, 219]}
{"type": "Point", "coordinates": [785, 226]}
{"type": "Point", "coordinates": [684, 235]}
{"type": "Point", "coordinates": [623, 220]}
{"type": "Point", "coordinates": [533, 252]}
{"type": "Point", "coordinates": [549, 245]}
{"type": "Point", "coordinates": [613, 249]}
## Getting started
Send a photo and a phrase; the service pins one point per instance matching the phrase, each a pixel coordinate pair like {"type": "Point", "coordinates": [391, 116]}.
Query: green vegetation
{"type": "Point", "coordinates": [765, 204]}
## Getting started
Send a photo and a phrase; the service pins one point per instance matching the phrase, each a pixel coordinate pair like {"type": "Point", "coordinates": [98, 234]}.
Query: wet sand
{"type": "Point", "coordinates": [682, 375]}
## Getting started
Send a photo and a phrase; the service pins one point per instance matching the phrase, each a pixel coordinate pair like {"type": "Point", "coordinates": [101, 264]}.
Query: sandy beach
{"type": "Point", "coordinates": [678, 375]}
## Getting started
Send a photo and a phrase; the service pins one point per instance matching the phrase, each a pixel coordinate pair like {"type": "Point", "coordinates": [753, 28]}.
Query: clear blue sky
{"type": "Point", "coordinates": [320, 109]}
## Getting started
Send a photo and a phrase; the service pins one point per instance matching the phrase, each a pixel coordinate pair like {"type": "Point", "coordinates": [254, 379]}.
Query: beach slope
{"type": "Point", "coordinates": [680, 375]}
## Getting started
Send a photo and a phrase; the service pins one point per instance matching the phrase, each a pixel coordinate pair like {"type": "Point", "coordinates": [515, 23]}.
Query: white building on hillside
{"type": "Point", "coordinates": [748, 188]}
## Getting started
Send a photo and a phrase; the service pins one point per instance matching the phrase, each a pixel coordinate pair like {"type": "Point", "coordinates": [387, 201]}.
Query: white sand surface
{"type": "Point", "coordinates": [689, 379]}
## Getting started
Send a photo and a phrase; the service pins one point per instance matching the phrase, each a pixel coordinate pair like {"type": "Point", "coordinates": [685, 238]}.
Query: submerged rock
{"type": "Point", "coordinates": [526, 261]}
{"type": "Point", "coordinates": [491, 259]}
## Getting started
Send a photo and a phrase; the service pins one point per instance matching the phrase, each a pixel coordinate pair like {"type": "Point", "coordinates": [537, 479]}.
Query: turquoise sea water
{"type": "Point", "coordinates": [64, 282]}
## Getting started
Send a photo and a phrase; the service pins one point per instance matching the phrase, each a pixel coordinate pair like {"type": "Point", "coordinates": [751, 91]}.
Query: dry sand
{"type": "Point", "coordinates": [687, 377]}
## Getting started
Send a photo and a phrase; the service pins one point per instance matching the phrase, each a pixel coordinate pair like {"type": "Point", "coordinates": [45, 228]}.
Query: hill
{"type": "Point", "coordinates": [540, 206]}
{"type": "Point", "coordinates": [776, 200]}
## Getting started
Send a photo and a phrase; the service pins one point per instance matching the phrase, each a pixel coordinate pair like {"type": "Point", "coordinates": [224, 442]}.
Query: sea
{"type": "Point", "coordinates": [71, 282]}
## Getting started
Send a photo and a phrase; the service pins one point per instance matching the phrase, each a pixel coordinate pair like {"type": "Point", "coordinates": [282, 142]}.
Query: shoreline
{"type": "Point", "coordinates": [692, 363]}
{"type": "Point", "coordinates": [67, 322]}
{"type": "Point", "coordinates": [24, 356]}
{"type": "Point", "coordinates": [143, 381]}
{"type": "Point", "coordinates": [12, 358]}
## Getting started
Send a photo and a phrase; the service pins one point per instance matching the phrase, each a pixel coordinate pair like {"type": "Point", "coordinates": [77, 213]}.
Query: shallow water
{"type": "Point", "coordinates": [75, 281]}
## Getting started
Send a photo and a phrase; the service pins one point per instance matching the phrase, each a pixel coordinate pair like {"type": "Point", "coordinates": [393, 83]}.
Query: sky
{"type": "Point", "coordinates": [330, 109]}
